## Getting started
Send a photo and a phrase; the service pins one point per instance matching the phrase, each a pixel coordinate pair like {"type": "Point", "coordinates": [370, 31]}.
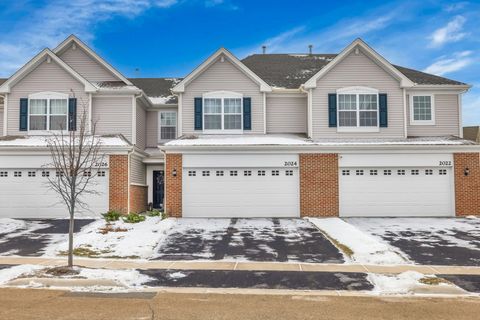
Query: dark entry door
{"type": "Point", "coordinates": [158, 189]}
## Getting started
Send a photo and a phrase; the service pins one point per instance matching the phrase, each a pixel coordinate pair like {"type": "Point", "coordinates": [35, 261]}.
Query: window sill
{"type": "Point", "coordinates": [222, 131]}
{"type": "Point", "coordinates": [46, 132]}
{"type": "Point", "coordinates": [422, 123]}
{"type": "Point", "coordinates": [358, 129]}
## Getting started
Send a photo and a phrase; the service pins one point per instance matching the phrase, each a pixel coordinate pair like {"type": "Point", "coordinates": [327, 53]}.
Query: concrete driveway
{"type": "Point", "coordinates": [430, 241]}
{"type": "Point", "coordinates": [294, 240]}
{"type": "Point", "coordinates": [30, 237]}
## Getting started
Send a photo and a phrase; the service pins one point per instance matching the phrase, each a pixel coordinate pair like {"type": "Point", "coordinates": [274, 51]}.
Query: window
{"type": "Point", "coordinates": [289, 172]}
{"type": "Point", "coordinates": [373, 172]}
{"type": "Point", "coordinates": [59, 174]}
{"type": "Point", "coordinates": [206, 173]}
{"type": "Point", "coordinates": [45, 174]}
{"type": "Point", "coordinates": [31, 173]}
{"type": "Point", "coordinates": [192, 173]}
{"type": "Point", "coordinates": [233, 173]}
{"type": "Point", "coordinates": [415, 172]}
{"type": "Point", "coordinates": [359, 172]}
{"type": "Point", "coordinates": [401, 172]}
{"type": "Point", "coordinates": [422, 110]}
{"type": "Point", "coordinates": [387, 172]}
{"type": "Point", "coordinates": [442, 172]}
{"type": "Point", "coordinates": [101, 173]}
{"type": "Point", "coordinates": [87, 173]}
{"type": "Point", "coordinates": [219, 173]}
{"type": "Point", "coordinates": [357, 109]}
{"type": "Point", "coordinates": [3, 174]}
{"type": "Point", "coordinates": [222, 111]}
{"type": "Point", "coordinates": [275, 173]}
{"type": "Point", "coordinates": [17, 174]}
{"type": "Point", "coordinates": [345, 172]}
{"type": "Point", "coordinates": [48, 111]}
{"type": "Point", "coordinates": [168, 125]}
{"type": "Point", "coordinates": [247, 173]}
{"type": "Point", "coordinates": [428, 172]}
{"type": "Point", "coordinates": [261, 172]}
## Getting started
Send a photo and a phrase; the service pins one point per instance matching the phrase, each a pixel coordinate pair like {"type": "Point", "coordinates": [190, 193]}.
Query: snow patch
{"type": "Point", "coordinates": [9, 274]}
{"type": "Point", "coordinates": [366, 249]}
{"type": "Point", "coordinates": [402, 283]}
{"type": "Point", "coordinates": [8, 225]}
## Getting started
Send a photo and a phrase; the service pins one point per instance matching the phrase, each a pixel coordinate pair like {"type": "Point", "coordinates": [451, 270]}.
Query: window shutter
{"type": "Point", "coordinates": [72, 114]}
{"type": "Point", "coordinates": [23, 114]}
{"type": "Point", "coordinates": [198, 114]}
{"type": "Point", "coordinates": [332, 110]}
{"type": "Point", "coordinates": [247, 113]}
{"type": "Point", "coordinates": [383, 113]}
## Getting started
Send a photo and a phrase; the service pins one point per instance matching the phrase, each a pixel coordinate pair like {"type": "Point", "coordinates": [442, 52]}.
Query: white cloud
{"type": "Point", "coordinates": [54, 22]}
{"type": "Point", "coordinates": [452, 32]}
{"type": "Point", "coordinates": [455, 6]}
{"type": "Point", "coordinates": [456, 62]}
{"type": "Point", "coordinates": [224, 3]}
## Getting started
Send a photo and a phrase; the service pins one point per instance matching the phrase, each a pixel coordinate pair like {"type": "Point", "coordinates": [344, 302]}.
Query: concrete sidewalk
{"type": "Point", "coordinates": [251, 266]}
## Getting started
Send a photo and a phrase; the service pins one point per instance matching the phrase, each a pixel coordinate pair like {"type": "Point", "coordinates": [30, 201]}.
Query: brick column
{"type": "Point", "coordinates": [118, 183]}
{"type": "Point", "coordinates": [467, 188]}
{"type": "Point", "coordinates": [173, 185]}
{"type": "Point", "coordinates": [319, 185]}
{"type": "Point", "coordinates": [138, 198]}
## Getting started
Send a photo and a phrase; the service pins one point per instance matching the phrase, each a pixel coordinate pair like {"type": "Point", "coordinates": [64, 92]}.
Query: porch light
{"type": "Point", "coordinates": [174, 172]}
{"type": "Point", "coordinates": [466, 171]}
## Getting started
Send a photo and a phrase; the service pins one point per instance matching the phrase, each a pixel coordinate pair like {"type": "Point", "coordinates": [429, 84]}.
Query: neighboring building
{"type": "Point", "coordinates": [277, 135]}
{"type": "Point", "coordinates": [472, 133]}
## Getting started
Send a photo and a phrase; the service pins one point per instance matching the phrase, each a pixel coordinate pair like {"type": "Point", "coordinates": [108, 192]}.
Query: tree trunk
{"type": "Point", "coordinates": [70, 240]}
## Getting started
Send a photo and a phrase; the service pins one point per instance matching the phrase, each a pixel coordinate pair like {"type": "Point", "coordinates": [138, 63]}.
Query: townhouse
{"type": "Point", "coordinates": [272, 135]}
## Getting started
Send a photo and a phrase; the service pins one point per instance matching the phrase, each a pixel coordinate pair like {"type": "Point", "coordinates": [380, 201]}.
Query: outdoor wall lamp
{"type": "Point", "coordinates": [174, 172]}
{"type": "Point", "coordinates": [466, 171]}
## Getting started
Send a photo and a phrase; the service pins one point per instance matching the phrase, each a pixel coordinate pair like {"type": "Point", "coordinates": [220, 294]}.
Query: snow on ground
{"type": "Point", "coordinates": [131, 279]}
{"type": "Point", "coordinates": [445, 230]}
{"type": "Point", "coordinates": [403, 283]}
{"type": "Point", "coordinates": [132, 240]}
{"type": "Point", "coordinates": [9, 274]}
{"type": "Point", "coordinates": [8, 225]}
{"type": "Point", "coordinates": [366, 249]}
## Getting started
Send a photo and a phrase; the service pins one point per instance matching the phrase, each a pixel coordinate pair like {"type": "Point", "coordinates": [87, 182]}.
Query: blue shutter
{"type": "Point", "coordinates": [247, 113]}
{"type": "Point", "coordinates": [383, 113]}
{"type": "Point", "coordinates": [198, 113]}
{"type": "Point", "coordinates": [72, 114]}
{"type": "Point", "coordinates": [332, 110]}
{"type": "Point", "coordinates": [23, 114]}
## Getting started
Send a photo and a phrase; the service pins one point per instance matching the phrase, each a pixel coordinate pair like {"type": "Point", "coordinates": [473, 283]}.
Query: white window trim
{"type": "Point", "coordinates": [222, 95]}
{"type": "Point", "coordinates": [357, 90]}
{"type": "Point", "coordinates": [159, 138]}
{"type": "Point", "coordinates": [414, 122]}
{"type": "Point", "coordinates": [47, 95]}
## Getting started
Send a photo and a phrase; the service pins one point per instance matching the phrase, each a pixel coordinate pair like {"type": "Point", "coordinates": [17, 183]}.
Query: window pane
{"type": "Point", "coordinates": [38, 106]}
{"type": "Point", "coordinates": [368, 101]}
{"type": "Point", "coordinates": [58, 123]}
{"type": "Point", "coordinates": [347, 118]}
{"type": "Point", "coordinates": [213, 122]}
{"type": "Point", "coordinates": [168, 133]}
{"type": "Point", "coordinates": [232, 105]}
{"type": "Point", "coordinates": [233, 122]}
{"type": "Point", "coordinates": [213, 106]}
{"type": "Point", "coordinates": [422, 108]}
{"type": "Point", "coordinates": [368, 118]}
{"type": "Point", "coordinates": [347, 102]}
{"type": "Point", "coordinates": [168, 118]}
{"type": "Point", "coordinates": [58, 106]}
{"type": "Point", "coordinates": [38, 123]}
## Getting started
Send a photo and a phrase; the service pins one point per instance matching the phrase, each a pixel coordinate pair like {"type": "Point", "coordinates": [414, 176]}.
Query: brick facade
{"type": "Point", "coordinates": [467, 187]}
{"type": "Point", "coordinates": [319, 185]}
{"type": "Point", "coordinates": [138, 198]}
{"type": "Point", "coordinates": [173, 185]}
{"type": "Point", "coordinates": [118, 183]}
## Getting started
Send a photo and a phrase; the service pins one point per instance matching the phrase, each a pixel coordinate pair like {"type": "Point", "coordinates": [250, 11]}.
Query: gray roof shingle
{"type": "Point", "coordinates": [292, 70]}
{"type": "Point", "coordinates": [157, 87]}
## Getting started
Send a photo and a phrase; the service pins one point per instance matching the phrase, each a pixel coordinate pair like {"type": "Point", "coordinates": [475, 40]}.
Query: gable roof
{"type": "Point", "coordinates": [158, 90]}
{"type": "Point", "coordinates": [73, 39]}
{"type": "Point", "coordinates": [35, 62]}
{"type": "Point", "coordinates": [180, 87]}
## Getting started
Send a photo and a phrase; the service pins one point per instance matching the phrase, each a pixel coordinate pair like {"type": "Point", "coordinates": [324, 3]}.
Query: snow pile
{"type": "Point", "coordinates": [235, 140]}
{"type": "Point", "coordinates": [9, 274]}
{"type": "Point", "coordinates": [43, 141]}
{"type": "Point", "coordinates": [161, 99]}
{"type": "Point", "coordinates": [404, 283]}
{"type": "Point", "coordinates": [8, 225]}
{"type": "Point", "coordinates": [130, 240]}
{"type": "Point", "coordinates": [366, 249]}
{"type": "Point", "coordinates": [126, 278]}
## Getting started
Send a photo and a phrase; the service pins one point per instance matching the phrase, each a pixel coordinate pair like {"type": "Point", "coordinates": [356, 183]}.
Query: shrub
{"type": "Point", "coordinates": [133, 217]}
{"type": "Point", "coordinates": [154, 213]}
{"type": "Point", "coordinates": [164, 215]}
{"type": "Point", "coordinates": [111, 215]}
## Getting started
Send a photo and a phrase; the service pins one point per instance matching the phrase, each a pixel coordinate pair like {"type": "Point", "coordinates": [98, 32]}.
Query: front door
{"type": "Point", "coordinates": [158, 189]}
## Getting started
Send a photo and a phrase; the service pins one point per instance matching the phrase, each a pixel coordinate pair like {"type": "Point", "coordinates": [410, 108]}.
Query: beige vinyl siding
{"type": "Point", "coordinates": [446, 118]}
{"type": "Point", "coordinates": [141, 125]}
{"type": "Point", "coordinates": [286, 114]}
{"type": "Point", "coordinates": [89, 68]}
{"type": "Point", "coordinates": [357, 70]}
{"type": "Point", "coordinates": [222, 76]}
{"type": "Point", "coordinates": [1, 120]}
{"type": "Point", "coordinates": [152, 129]}
{"type": "Point", "coordinates": [46, 77]}
{"type": "Point", "coordinates": [137, 171]}
{"type": "Point", "coordinates": [113, 115]}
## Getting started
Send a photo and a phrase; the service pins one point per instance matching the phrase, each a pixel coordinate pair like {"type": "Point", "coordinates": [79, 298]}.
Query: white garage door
{"type": "Point", "coordinates": [240, 186]}
{"type": "Point", "coordinates": [393, 190]}
{"type": "Point", "coordinates": [24, 193]}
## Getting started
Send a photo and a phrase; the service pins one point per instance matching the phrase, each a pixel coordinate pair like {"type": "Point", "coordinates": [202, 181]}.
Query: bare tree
{"type": "Point", "coordinates": [76, 157]}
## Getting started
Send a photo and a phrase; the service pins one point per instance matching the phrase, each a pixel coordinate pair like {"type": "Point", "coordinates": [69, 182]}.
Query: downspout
{"type": "Point", "coordinates": [5, 122]}
{"type": "Point", "coordinates": [405, 130]}
{"type": "Point", "coordinates": [134, 138]}
{"type": "Point", "coordinates": [90, 124]}
{"type": "Point", "coordinates": [264, 113]}
{"type": "Point", "coordinates": [460, 114]}
{"type": "Point", "coordinates": [309, 110]}
{"type": "Point", "coordinates": [129, 157]}
{"type": "Point", "coordinates": [180, 116]}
